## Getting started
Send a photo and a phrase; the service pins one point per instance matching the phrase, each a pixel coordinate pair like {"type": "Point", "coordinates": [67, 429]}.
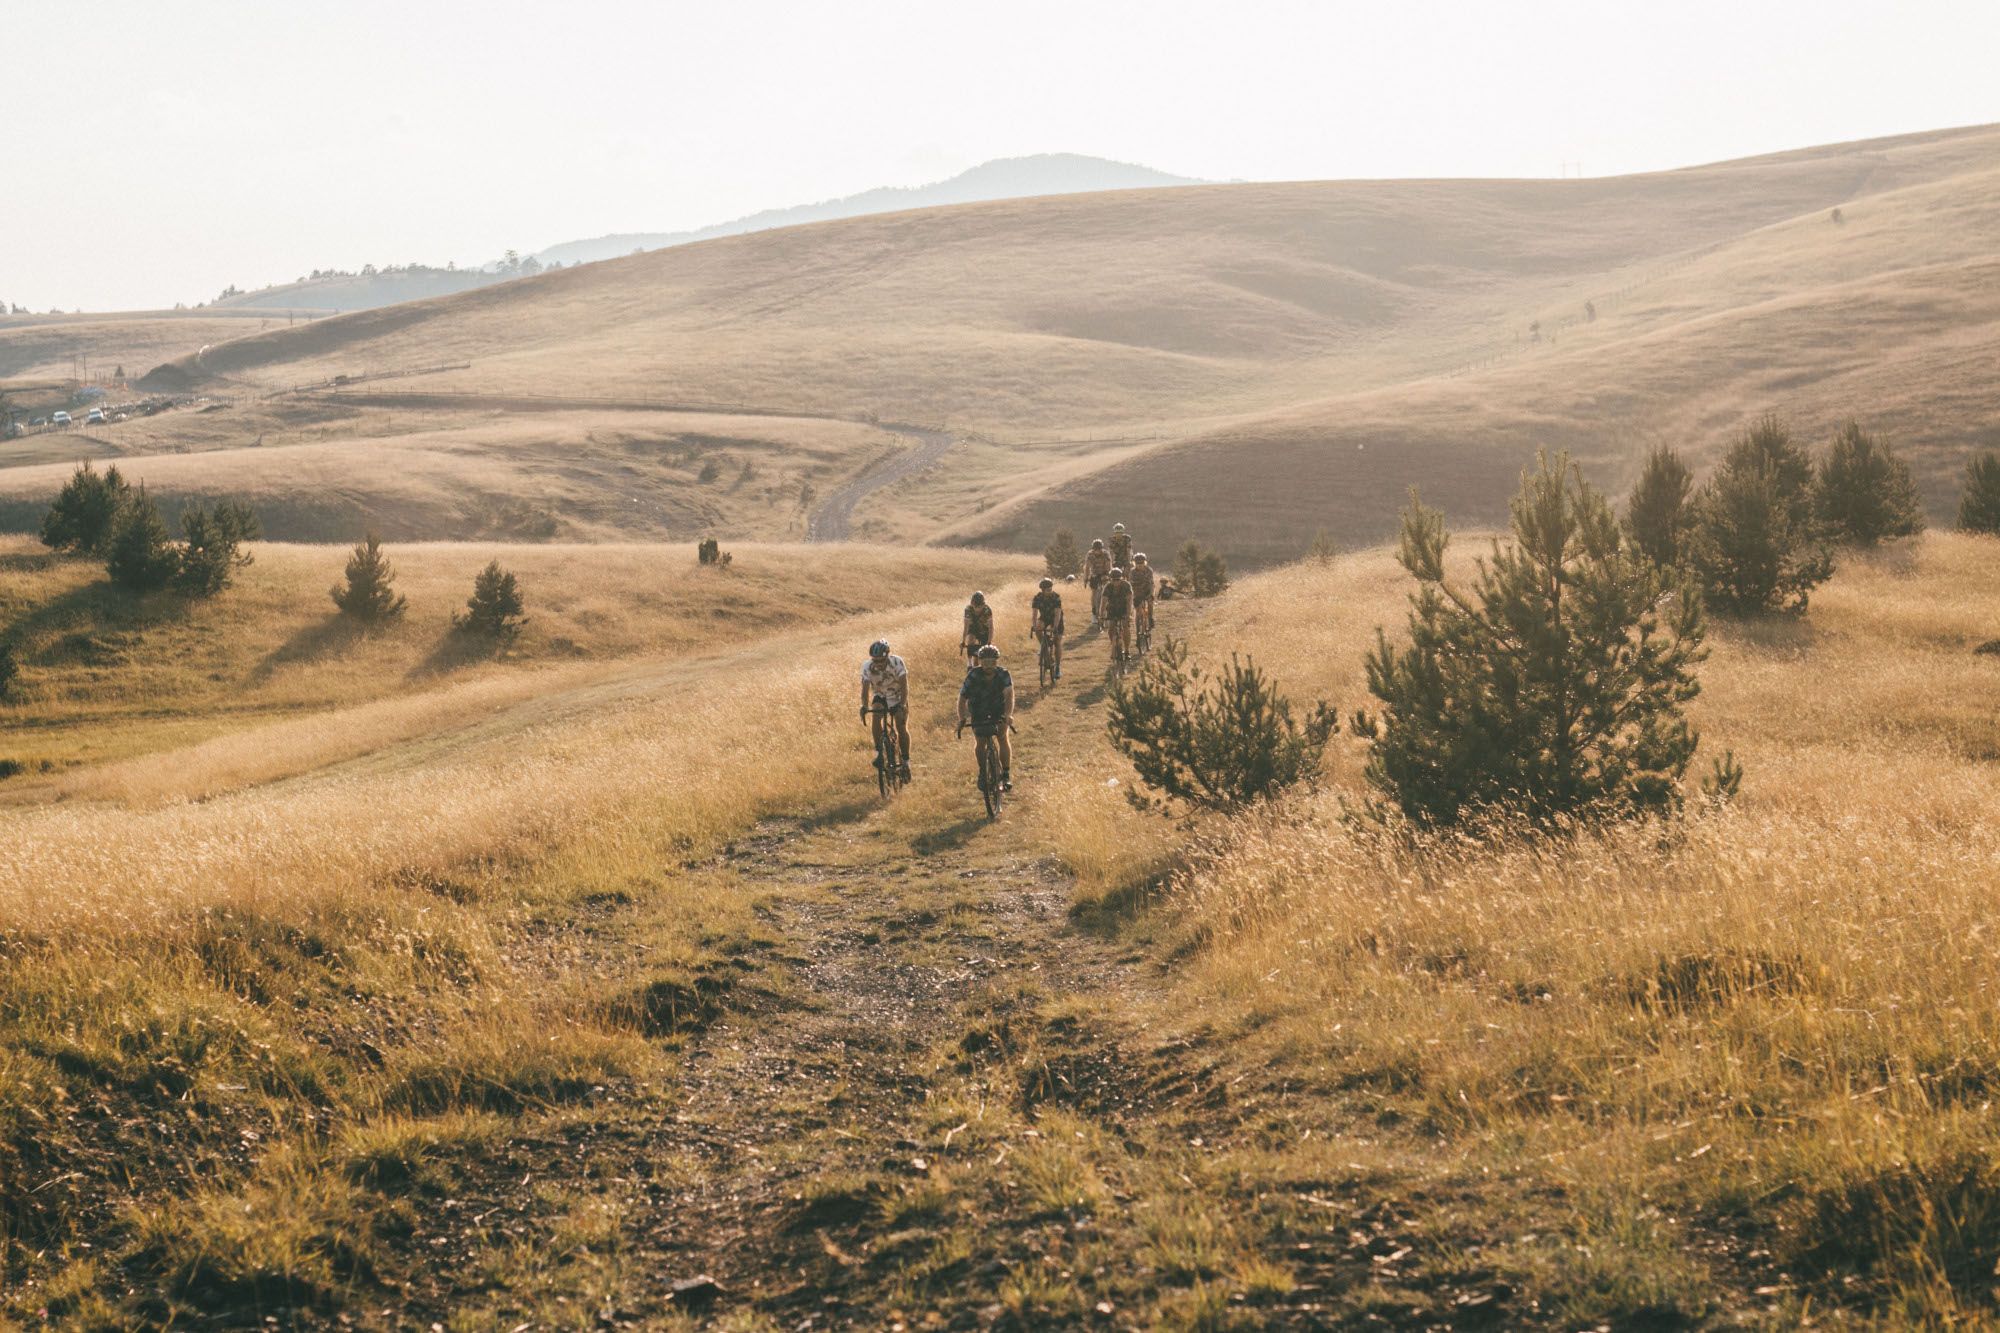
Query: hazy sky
{"type": "Point", "coordinates": [159, 150]}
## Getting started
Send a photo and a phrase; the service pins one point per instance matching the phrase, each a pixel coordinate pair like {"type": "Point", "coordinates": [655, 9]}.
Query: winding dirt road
{"type": "Point", "coordinates": [830, 522]}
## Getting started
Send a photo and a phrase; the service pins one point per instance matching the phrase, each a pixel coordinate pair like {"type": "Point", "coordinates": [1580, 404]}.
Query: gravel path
{"type": "Point", "coordinates": [829, 522]}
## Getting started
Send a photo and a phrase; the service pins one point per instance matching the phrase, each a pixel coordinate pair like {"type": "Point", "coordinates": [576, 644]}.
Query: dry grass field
{"type": "Point", "coordinates": [1239, 363]}
{"type": "Point", "coordinates": [371, 999]}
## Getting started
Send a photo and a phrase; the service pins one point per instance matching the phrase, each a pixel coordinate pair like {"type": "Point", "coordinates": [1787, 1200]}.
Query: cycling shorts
{"type": "Point", "coordinates": [889, 706]}
{"type": "Point", "coordinates": [988, 727]}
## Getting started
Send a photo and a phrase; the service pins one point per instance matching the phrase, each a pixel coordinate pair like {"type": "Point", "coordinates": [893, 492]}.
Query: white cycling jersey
{"type": "Point", "coordinates": [888, 678]}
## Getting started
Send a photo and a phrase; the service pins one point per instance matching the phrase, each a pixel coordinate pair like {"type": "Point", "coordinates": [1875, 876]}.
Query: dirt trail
{"type": "Point", "coordinates": [830, 522]}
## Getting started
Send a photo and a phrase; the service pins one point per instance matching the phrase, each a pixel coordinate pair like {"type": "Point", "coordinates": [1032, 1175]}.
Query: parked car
{"type": "Point", "coordinates": [60, 420]}
{"type": "Point", "coordinates": [96, 417]}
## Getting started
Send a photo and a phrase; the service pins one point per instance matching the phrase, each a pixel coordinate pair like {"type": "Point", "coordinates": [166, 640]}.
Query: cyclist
{"type": "Point", "coordinates": [1141, 579]}
{"type": "Point", "coordinates": [885, 680]}
{"type": "Point", "coordinates": [1121, 546]}
{"type": "Point", "coordinates": [986, 701]}
{"type": "Point", "coordinates": [1045, 621]}
{"type": "Point", "coordinates": [978, 631]}
{"type": "Point", "coordinates": [1118, 609]}
{"type": "Point", "coordinates": [1096, 569]}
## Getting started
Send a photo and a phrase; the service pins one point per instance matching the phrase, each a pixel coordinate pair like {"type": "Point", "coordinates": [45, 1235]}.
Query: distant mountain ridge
{"type": "Point", "coordinates": [1003, 178]}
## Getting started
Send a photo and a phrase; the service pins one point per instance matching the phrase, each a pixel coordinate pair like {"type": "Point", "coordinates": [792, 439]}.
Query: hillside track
{"type": "Point", "coordinates": [832, 520]}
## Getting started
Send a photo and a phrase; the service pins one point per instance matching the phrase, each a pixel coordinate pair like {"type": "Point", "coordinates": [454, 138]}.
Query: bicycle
{"type": "Point", "coordinates": [888, 761]}
{"type": "Point", "coordinates": [1121, 656]}
{"type": "Point", "coordinates": [1142, 622]}
{"type": "Point", "coordinates": [988, 749]}
{"type": "Point", "coordinates": [1048, 657]}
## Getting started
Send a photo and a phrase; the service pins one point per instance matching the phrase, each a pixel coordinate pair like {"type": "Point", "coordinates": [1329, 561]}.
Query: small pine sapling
{"type": "Point", "coordinates": [141, 557]}
{"type": "Point", "coordinates": [369, 596]}
{"type": "Point", "coordinates": [1221, 747]}
{"type": "Point", "coordinates": [1865, 493]}
{"type": "Point", "coordinates": [1979, 507]}
{"type": "Point", "coordinates": [212, 551]}
{"type": "Point", "coordinates": [1657, 512]}
{"type": "Point", "coordinates": [84, 517]}
{"type": "Point", "coordinates": [494, 609]}
{"type": "Point", "coordinates": [1323, 549]}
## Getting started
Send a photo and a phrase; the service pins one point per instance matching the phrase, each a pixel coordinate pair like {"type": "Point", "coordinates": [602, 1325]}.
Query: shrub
{"type": "Point", "coordinates": [1322, 549]}
{"type": "Point", "coordinates": [1865, 492]}
{"type": "Point", "coordinates": [9, 669]}
{"type": "Point", "coordinates": [1657, 512]}
{"type": "Point", "coordinates": [1553, 687]}
{"type": "Point", "coordinates": [84, 517]}
{"type": "Point", "coordinates": [494, 609]}
{"type": "Point", "coordinates": [709, 472]}
{"type": "Point", "coordinates": [1751, 546]}
{"type": "Point", "coordinates": [1060, 557]}
{"type": "Point", "coordinates": [1979, 507]}
{"type": "Point", "coordinates": [141, 558]}
{"type": "Point", "coordinates": [369, 596]}
{"type": "Point", "coordinates": [213, 546]}
{"type": "Point", "coordinates": [1199, 573]}
{"type": "Point", "coordinates": [1220, 748]}
{"type": "Point", "coordinates": [1769, 444]}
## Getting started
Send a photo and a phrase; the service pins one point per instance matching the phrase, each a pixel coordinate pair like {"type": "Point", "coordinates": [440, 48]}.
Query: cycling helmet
{"type": "Point", "coordinates": [989, 651]}
{"type": "Point", "coordinates": [1069, 578]}
{"type": "Point", "coordinates": [979, 599]}
{"type": "Point", "coordinates": [1048, 584]}
{"type": "Point", "coordinates": [1097, 543]}
{"type": "Point", "coordinates": [1117, 572]}
{"type": "Point", "coordinates": [1118, 527]}
{"type": "Point", "coordinates": [879, 648]}
{"type": "Point", "coordinates": [1139, 559]}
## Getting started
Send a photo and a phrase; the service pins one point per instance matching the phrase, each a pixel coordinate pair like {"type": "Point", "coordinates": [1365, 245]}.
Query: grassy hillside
{"type": "Point", "coordinates": [108, 675]}
{"type": "Point", "coordinates": [533, 1014]}
{"type": "Point", "coordinates": [1240, 363]}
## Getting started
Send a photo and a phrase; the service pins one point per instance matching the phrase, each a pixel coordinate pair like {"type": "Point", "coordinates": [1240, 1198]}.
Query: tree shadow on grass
{"type": "Point", "coordinates": [456, 649]}
{"type": "Point", "coordinates": [315, 643]}
{"type": "Point", "coordinates": [1105, 914]}
{"type": "Point", "coordinates": [92, 625]}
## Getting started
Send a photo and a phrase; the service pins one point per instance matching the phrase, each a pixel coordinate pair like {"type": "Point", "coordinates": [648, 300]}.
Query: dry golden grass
{"type": "Point", "coordinates": [1780, 1012]}
{"type": "Point", "coordinates": [267, 680]}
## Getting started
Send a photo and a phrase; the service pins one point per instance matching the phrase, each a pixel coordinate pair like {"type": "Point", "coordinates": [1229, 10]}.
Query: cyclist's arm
{"type": "Point", "coordinates": [1007, 704]}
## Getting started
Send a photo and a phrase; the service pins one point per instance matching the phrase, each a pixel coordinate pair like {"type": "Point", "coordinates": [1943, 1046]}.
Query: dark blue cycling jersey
{"type": "Point", "coordinates": [986, 696]}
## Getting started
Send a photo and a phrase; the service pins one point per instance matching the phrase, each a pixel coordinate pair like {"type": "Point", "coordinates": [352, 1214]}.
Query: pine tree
{"type": "Point", "coordinates": [1752, 546]}
{"type": "Point", "coordinates": [1552, 688]}
{"type": "Point", "coordinates": [84, 517]}
{"type": "Point", "coordinates": [141, 557]}
{"type": "Point", "coordinates": [494, 609]}
{"type": "Point", "coordinates": [1769, 444]}
{"type": "Point", "coordinates": [1222, 748]}
{"type": "Point", "coordinates": [369, 596]}
{"type": "Point", "coordinates": [1060, 557]}
{"type": "Point", "coordinates": [1322, 549]}
{"type": "Point", "coordinates": [1656, 513]}
{"type": "Point", "coordinates": [1979, 507]}
{"type": "Point", "coordinates": [1865, 492]}
{"type": "Point", "coordinates": [213, 548]}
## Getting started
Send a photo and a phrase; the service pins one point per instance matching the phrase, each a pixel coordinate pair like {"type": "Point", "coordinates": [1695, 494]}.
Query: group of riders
{"type": "Point", "coordinates": [1122, 588]}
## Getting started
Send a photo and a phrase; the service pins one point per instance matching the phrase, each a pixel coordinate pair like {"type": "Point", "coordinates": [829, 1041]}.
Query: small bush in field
{"type": "Point", "coordinates": [1323, 548]}
{"type": "Point", "coordinates": [212, 551]}
{"type": "Point", "coordinates": [1060, 557]}
{"type": "Point", "coordinates": [1223, 747]}
{"type": "Point", "coordinates": [494, 609]}
{"type": "Point", "coordinates": [1551, 688]}
{"type": "Point", "coordinates": [1754, 544]}
{"type": "Point", "coordinates": [9, 669]}
{"type": "Point", "coordinates": [1199, 572]}
{"type": "Point", "coordinates": [1657, 513]}
{"type": "Point", "coordinates": [1865, 492]}
{"type": "Point", "coordinates": [140, 557]}
{"type": "Point", "coordinates": [1979, 507]}
{"type": "Point", "coordinates": [369, 595]}
{"type": "Point", "coordinates": [84, 517]}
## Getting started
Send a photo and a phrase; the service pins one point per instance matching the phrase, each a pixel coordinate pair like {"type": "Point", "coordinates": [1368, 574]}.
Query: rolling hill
{"type": "Point", "coordinates": [1247, 362]}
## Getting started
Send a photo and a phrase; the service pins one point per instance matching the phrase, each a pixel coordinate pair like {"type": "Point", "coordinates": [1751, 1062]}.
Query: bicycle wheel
{"type": "Point", "coordinates": [885, 771]}
{"type": "Point", "coordinates": [989, 777]}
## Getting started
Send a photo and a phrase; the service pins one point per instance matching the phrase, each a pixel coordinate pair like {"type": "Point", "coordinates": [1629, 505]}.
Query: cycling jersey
{"type": "Point", "coordinates": [1142, 583]}
{"type": "Point", "coordinates": [1048, 608]}
{"type": "Point", "coordinates": [979, 624]}
{"type": "Point", "coordinates": [986, 696]}
{"type": "Point", "coordinates": [1117, 599]}
{"type": "Point", "coordinates": [888, 678]}
{"type": "Point", "coordinates": [1121, 551]}
{"type": "Point", "coordinates": [1097, 566]}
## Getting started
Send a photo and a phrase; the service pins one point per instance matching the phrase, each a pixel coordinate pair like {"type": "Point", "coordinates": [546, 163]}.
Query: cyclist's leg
{"type": "Point", "coordinates": [875, 716]}
{"type": "Point", "coordinates": [902, 716]}
{"type": "Point", "coordinates": [1005, 744]}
